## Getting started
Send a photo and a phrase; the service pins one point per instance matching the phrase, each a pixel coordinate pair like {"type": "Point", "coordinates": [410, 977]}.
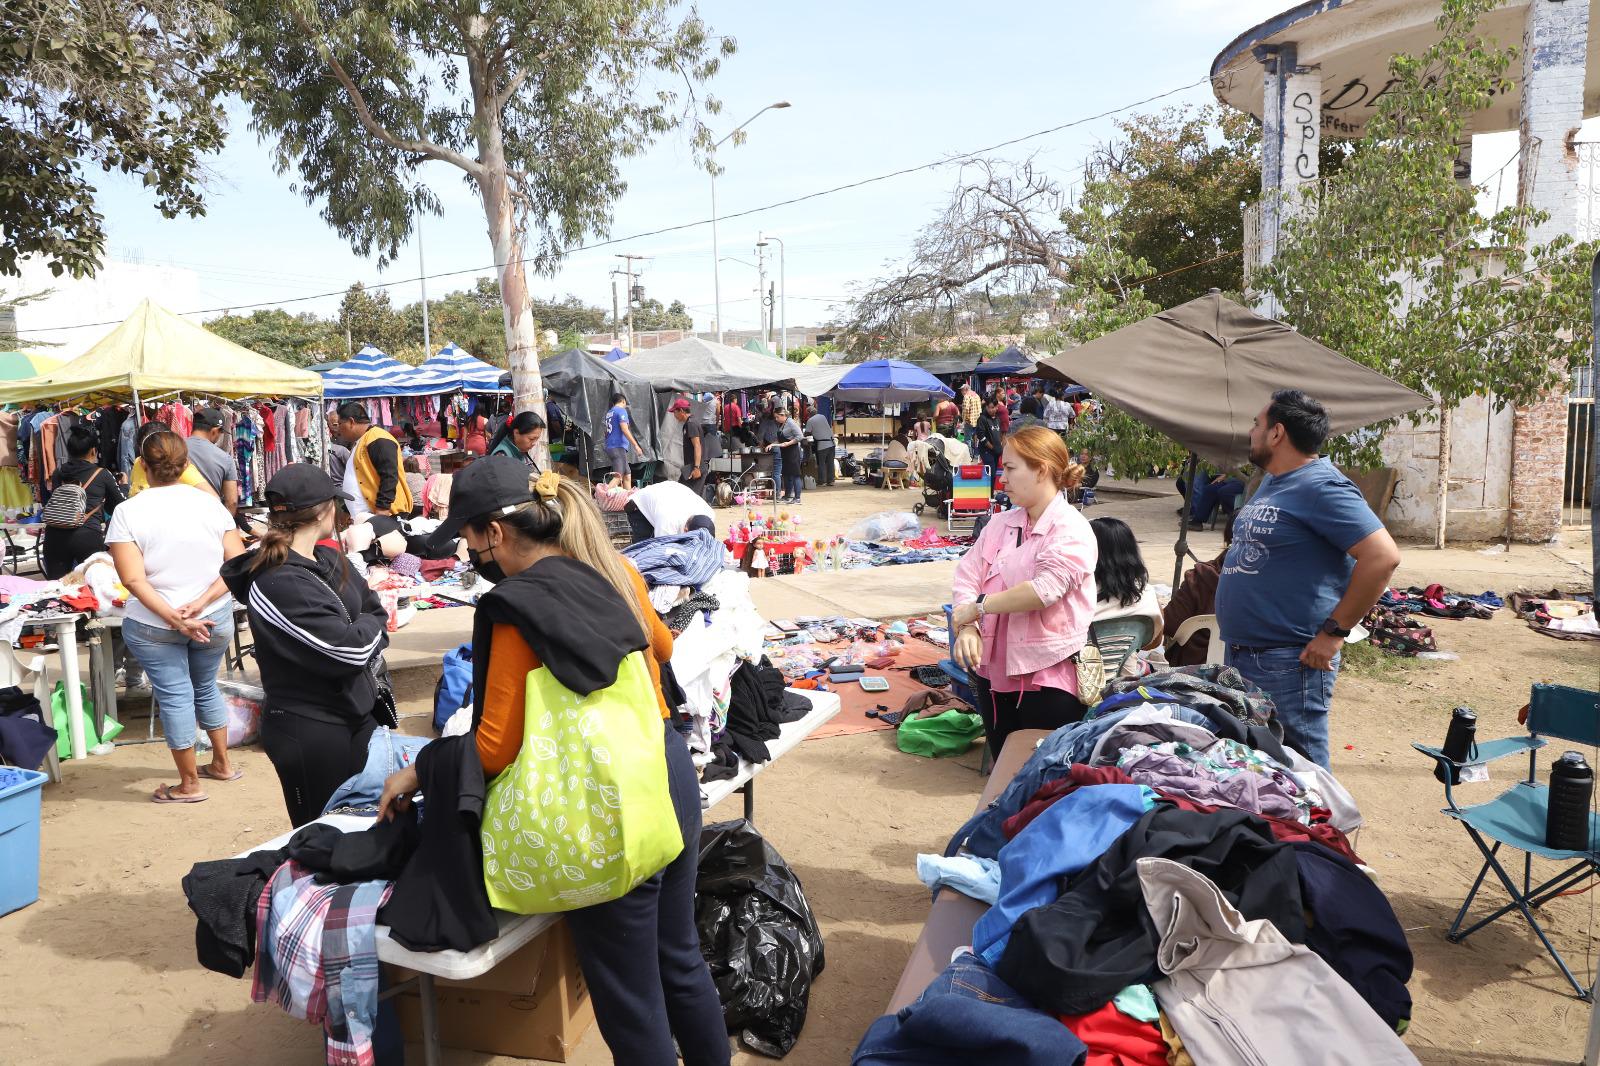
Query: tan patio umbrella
{"type": "Point", "coordinates": [1200, 371]}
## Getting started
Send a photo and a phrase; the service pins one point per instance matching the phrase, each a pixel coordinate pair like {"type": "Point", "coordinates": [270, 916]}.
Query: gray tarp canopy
{"type": "Point", "coordinates": [946, 365]}
{"type": "Point", "coordinates": [1200, 371]}
{"type": "Point", "coordinates": [582, 384]}
{"type": "Point", "coordinates": [696, 365]}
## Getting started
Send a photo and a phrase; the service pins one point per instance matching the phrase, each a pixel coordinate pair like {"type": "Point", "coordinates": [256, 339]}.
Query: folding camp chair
{"type": "Point", "coordinates": [971, 496]}
{"type": "Point", "coordinates": [1517, 817]}
{"type": "Point", "coordinates": [1119, 639]}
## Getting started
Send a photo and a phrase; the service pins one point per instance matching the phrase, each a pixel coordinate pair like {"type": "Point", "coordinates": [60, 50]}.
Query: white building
{"type": "Point", "coordinates": [1318, 70]}
{"type": "Point", "coordinates": [79, 311]}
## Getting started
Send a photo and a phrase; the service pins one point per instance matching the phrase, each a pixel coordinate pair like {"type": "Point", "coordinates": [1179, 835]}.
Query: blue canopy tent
{"type": "Point", "coordinates": [452, 369]}
{"type": "Point", "coordinates": [1012, 362]}
{"type": "Point", "coordinates": [370, 373]}
{"type": "Point", "coordinates": [614, 355]}
{"type": "Point", "coordinates": [885, 381]}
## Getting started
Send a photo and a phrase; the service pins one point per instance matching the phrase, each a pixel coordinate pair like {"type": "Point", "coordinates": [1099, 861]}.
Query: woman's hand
{"type": "Point", "coordinates": [968, 648]}
{"type": "Point", "coordinates": [398, 788]}
{"type": "Point", "coordinates": [965, 615]}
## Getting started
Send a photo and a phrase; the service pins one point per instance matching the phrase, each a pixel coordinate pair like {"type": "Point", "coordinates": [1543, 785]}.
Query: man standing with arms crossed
{"type": "Point", "coordinates": [1308, 560]}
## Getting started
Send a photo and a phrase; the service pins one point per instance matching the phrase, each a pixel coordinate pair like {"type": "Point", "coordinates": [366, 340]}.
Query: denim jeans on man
{"type": "Point", "coordinates": [183, 674]}
{"type": "Point", "coordinates": [968, 1016]}
{"type": "Point", "coordinates": [1300, 694]}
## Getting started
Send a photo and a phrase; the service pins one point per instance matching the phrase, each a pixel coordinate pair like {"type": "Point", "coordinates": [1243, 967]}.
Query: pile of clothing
{"type": "Point", "coordinates": [1394, 630]}
{"type": "Point", "coordinates": [1155, 874]}
{"type": "Point", "coordinates": [304, 916]}
{"type": "Point", "coordinates": [1563, 615]}
{"type": "Point", "coordinates": [758, 704]}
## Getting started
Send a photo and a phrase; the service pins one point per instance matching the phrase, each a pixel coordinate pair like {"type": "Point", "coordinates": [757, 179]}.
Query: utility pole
{"type": "Point", "coordinates": [761, 287]}
{"type": "Point", "coordinates": [422, 272]}
{"type": "Point", "coordinates": [630, 272]}
{"type": "Point", "coordinates": [616, 315]}
{"type": "Point", "coordinates": [783, 297]}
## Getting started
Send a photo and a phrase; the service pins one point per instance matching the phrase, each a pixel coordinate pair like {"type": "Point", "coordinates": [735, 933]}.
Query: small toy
{"type": "Point", "coordinates": [754, 562]}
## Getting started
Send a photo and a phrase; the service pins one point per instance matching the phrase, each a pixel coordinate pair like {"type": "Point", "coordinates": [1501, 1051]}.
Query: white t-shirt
{"type": "Point", "coordinates": [668, 506]}
{"type": "Point", "coordinates": [357, 504]}
{"type": "Point", "coordinates": [179, 531]}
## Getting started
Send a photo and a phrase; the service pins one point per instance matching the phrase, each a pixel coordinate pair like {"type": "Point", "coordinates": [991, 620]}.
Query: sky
{"type": "Point", "coordinates": [874, 88]}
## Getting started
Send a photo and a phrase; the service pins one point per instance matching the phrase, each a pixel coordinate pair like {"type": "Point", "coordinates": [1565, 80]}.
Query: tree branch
{"type": "Point", "coordinates": [364, 113]}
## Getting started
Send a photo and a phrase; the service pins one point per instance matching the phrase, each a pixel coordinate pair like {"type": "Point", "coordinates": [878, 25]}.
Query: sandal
{"type": "Point", "coordinates": [164, 794]}
{"type": "Point", "coordinates": [206, 772]}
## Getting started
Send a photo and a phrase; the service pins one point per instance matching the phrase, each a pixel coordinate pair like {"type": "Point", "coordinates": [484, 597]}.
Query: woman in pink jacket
{"type": "Point", "coordinates": [1025, 594]}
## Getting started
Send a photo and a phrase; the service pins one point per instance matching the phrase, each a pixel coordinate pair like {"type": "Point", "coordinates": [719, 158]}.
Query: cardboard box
{"type": "Point", "coordinates": [532, 1006]}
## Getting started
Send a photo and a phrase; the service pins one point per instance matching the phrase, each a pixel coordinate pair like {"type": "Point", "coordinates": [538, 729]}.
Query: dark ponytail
{"type": "Point", "coordinates": [281, 528]}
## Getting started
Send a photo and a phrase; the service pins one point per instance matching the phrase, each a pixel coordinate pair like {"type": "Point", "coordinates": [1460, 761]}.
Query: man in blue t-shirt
{"type": "Point", "coordinates": [620, 442]}
{"type": "Point", "coordinates": [1308, 561]}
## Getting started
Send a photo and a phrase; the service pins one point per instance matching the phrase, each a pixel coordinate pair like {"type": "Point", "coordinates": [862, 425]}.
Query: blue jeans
{"type": "Point", "coordinates": [1207, 496]}
{"type": "Point", "coordinates": [1300, 694]}
{"type": "Point", "coordinates": [183, 675]}
{"type": "Point", "coordinates": [969, 1017]}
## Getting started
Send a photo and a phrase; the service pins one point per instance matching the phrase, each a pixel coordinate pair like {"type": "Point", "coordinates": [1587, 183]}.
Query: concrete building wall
{"type": "Point", "coordinates": [71, 318]}
{"type": "Point", "coordinates": [1480, 474]}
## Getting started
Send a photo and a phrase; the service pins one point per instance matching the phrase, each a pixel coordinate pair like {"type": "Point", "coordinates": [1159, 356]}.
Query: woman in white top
{"type": "Point", "coordinates": [169, 543]}
{"type": "Point", "coordinates": [1122, 584]}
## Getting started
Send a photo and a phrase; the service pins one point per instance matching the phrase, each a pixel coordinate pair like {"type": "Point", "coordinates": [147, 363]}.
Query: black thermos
{"type": "Point", "coordinates": [1566, 826]}
{"type": "Point", "coordinates": [1460, 742]}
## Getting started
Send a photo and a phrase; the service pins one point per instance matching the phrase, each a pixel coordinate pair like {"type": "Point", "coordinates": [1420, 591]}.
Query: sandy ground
{"type": "Point", "coordinates": [101, 970]}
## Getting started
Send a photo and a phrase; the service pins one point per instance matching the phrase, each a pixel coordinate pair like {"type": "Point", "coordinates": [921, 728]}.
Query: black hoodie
{"type": "Point", "coordinates": [574, 620]}
{"type": "Point", "coordinates": [313, 655]}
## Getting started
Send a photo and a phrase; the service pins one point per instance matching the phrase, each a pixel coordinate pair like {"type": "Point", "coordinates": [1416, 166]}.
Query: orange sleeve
{"type": "Point", "coordinates": [504, 699]}
{"type": "Point", "coordinates": [660, 637]}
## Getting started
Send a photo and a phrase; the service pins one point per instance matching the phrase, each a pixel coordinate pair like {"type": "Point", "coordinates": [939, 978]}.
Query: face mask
{"type": "Point", "coordinates": [483, 562]}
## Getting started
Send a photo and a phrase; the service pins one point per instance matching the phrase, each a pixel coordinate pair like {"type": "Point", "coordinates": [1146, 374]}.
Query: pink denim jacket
{"type": "Point", "coordinates": [1058, 555]}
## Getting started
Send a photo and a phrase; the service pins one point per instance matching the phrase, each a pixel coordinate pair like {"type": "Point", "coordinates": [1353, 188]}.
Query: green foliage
{"type": "Point", "coordinates": [804, 351]}
{"type": "Point", "coordinates": [651, 315]}
{"type": "Point", "coordinates": [473, 319]}
{"type": "Point", "coordinates": [1394, 267]}
{"type": "Point", "coordinates": [570, 339]}
{"type": "Point", "coordinates": [370, 318]}
{"type": "Point", "coordinates": [110, 85]}
{"type": "Point", "coordinates": [299, 340]}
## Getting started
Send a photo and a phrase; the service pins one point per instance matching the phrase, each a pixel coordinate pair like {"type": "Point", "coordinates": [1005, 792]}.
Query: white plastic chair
{"type": "Point", "coordinates": [12, 673]}
{"type": "Point", "coordinates": [1201, 623]}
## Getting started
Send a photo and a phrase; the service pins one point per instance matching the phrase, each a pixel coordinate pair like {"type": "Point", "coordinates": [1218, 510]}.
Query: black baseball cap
{"type": "Point", "coordinates": [208, 418]}
{"type": "Point", "coordinates": [490, 485]}
{"type": "Point", "coordinates": [300, 485]}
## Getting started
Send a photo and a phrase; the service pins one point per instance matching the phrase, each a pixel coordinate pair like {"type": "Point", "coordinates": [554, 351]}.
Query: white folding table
{"type": "Point", "coordinates": [824, 705]}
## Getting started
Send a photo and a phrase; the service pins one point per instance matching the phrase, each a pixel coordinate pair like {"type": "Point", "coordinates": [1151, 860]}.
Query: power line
{"type": "Point", "coordinates": [945, 161]}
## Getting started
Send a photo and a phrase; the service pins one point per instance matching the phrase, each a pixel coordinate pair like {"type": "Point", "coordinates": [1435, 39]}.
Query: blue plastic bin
{"type": "Point", "coordinates": [19, 837]}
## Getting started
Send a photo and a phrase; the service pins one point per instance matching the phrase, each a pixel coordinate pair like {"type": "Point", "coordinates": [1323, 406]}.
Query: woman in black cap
{"type": "Point", "coordinates": [318, 630]}
{"type": "Point", "coordinates": [565, 599]}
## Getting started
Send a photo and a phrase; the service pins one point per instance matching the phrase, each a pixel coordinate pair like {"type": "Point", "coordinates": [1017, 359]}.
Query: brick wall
{"type": "Point", "coordinates": [1538, 462]}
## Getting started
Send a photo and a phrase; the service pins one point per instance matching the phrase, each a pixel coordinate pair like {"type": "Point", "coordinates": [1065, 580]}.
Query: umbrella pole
{"type": "Point", "coordinates": [1181, 549]}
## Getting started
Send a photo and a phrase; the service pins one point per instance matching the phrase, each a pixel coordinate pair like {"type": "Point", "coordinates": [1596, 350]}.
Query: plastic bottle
{"type": "Point", "coordinates": [1567, 816]}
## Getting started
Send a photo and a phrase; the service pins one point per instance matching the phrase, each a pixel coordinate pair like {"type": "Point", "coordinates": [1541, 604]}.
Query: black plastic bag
{"type": "Point", "coordinates": [757, 934]}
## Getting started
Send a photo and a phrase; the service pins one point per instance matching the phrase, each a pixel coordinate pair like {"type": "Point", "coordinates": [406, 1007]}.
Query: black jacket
{"type": "Point", "coordinates": [313, 660]}
{"type": "Point", "coordinates": [989, 434]}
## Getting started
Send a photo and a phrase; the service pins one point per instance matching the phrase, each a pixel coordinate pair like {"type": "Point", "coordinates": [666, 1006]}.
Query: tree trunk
{"type": "Point", "coordinates": [1442, 509]}
{"type": "Point", "coordinates": [522, 339]}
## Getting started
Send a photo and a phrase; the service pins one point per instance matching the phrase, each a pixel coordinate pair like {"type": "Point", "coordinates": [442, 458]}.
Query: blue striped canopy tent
{"type": "Point", "coordinates": [370, 373]}
{"type": "Point", "coordinates": [451, 369]}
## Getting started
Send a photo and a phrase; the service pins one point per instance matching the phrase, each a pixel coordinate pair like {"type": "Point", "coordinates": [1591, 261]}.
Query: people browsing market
{"type": "Point", "coordinates": [169, 544]}
{"type": "Point", "coordinates": [1024, 595]}
{"type": "Point", "coordinates": [319, 631]}
{"type": "Point", "coordinates": [569, 622]}
{"type": "Point", "coordinates": [83, 495]}
{"type": "Point", "coordinates": [373, 480]}
{"type": "Point", "coordinates": [820, 430]}
{"type": "Point", "coordinates": [1122, 583]}
{"type": "Point", "coordinates": [787, 456]}
{"type": "Point", "coordinates": [1308, 560]}
{"type": "Point", "coordinates": [694, 449]}
{"type": "Point", "coordinates": [217, 466]}
{"type": "Point", "coordinates": [138, 480]}
{"type": "Point", "coordinates": [620, 443]}
{"type": "Point", "coordinates": [518, 438]}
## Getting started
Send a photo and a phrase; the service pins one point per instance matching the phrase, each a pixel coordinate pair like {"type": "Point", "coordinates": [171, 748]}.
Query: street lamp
{"type": "Point", "coordinates": [783, 295]}
{"type": "Point", "coordinates": [716, 268]}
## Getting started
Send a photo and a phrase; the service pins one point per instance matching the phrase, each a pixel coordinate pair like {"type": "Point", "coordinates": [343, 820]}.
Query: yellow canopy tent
{"type": "Point", "coordinates": [811, 360]}
{"type": "Point", "coordinates": [156, 352]}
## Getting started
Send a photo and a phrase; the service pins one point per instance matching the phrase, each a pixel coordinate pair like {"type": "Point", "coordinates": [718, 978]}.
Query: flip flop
{"type": "Point", "coordinates": [164, 795]}
{"type": "Point", "coordinates": [206, 772]}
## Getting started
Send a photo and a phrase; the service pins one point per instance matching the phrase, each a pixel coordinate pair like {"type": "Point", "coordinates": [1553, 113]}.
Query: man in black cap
{"type": "Point", "coordinates": [215, 464]}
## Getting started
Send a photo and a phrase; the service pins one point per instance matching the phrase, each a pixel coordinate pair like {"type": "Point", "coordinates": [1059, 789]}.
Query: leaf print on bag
{"type": "Point", "coordinates": [519, 880]}
{"type": "Point", "coordinates": [608, 796]}
{"type": "Point", "coordinates": [492, 867]}
{"type": "Point", "coordinates": [533, 841]}
{"type": "Point", "coordinates": [572, 873]}
{"type": "Point", "coordinates": [601, 756]}
{"type": "Point", "coordinates": [547, 720]}
{"type": "Point", "coordinates": [560, 824]}
{"type": "Point", "coordinates": [548, 798]}
{"type": "Point", "coordinates": [544, 748]}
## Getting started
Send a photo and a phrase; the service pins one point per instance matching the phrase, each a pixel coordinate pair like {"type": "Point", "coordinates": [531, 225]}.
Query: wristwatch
{"type": "Point", "coordinates": [1333, 629]}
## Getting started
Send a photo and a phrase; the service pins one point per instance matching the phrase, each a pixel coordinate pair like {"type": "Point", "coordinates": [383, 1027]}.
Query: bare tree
{"type": "Point", "coordinates": [1001, 230]}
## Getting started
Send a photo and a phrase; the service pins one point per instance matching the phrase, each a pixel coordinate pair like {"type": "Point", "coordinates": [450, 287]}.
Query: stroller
{"type": "Point", "coordinates": [938, 481]}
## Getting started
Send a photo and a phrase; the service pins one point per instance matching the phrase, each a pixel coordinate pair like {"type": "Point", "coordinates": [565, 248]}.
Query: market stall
{"type": "Point", "coordinates": [583, 384]}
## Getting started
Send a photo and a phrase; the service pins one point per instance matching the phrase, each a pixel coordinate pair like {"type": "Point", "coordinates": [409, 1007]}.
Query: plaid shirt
{"type": "Point", "coordinates": [317, 957]}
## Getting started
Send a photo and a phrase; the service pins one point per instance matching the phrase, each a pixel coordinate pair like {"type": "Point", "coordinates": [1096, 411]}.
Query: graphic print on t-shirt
{"type": "Point", "coordinates": [1249, 551]}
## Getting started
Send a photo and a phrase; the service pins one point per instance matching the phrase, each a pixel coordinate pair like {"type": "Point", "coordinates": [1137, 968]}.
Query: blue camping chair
{"type": "Point", "coordinates": [1516, 818]}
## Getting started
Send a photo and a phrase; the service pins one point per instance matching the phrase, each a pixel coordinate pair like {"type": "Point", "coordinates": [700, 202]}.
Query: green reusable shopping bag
{"type": "Point", "coordinates": [582, 815]}
{"type": "Point", "coordinates": [950, 733]}
{"type": "Point", "coordinates": [58, 712]}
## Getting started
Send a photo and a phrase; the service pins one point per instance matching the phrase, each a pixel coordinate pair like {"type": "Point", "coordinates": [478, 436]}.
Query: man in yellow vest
{"type": "Point", "coordinates": [372, 478]}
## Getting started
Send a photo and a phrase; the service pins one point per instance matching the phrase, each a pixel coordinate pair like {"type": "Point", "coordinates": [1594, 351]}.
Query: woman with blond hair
{"type": "Point", "coordinates": [1024, 594]}
{"type": "Point", "coordinates": [566, 600]}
